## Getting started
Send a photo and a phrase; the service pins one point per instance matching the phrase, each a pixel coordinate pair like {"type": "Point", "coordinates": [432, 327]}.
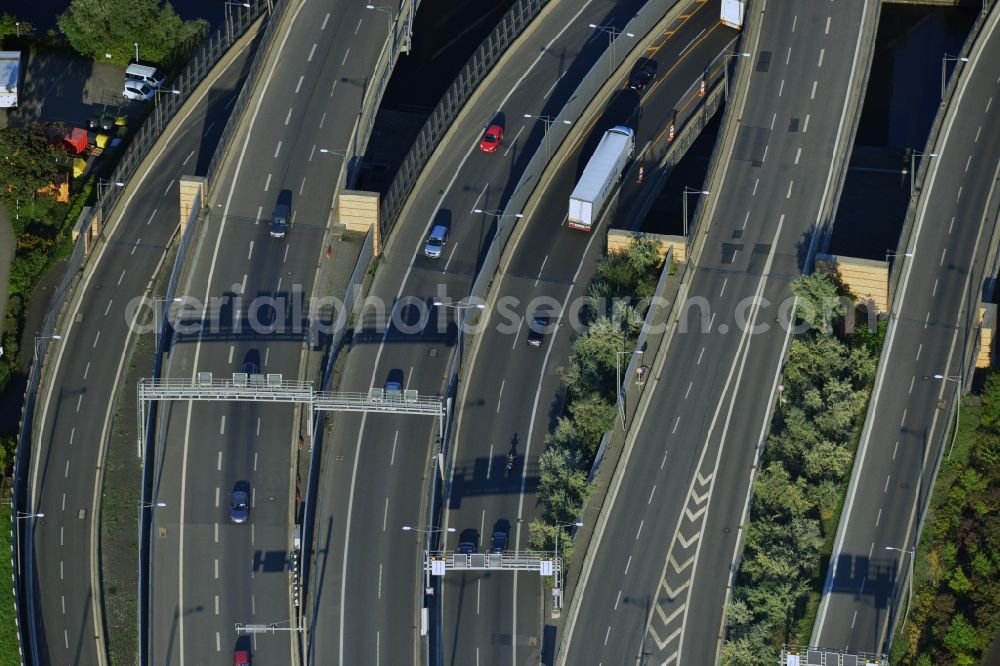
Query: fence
{"type": "Point", "coordinates": [476, 68]}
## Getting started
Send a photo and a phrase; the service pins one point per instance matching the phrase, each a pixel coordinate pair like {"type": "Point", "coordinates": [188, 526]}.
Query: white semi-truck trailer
{"type": "Point", "coordinates": [10, 75]}
{"type": "Point", "coordinates": [599, 177]}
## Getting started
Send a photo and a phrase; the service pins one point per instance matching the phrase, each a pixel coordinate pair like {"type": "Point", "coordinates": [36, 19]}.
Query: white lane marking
{"type": "Point", "coordinates": [218, 464]}
{"type": "Point", "coordinates": [302, 187]}
{"type": "Point", "coordinates": [385, 513]}
{"type": "Point", "coordinates": [86, 370]}
{"type": "Point", "coordinates": [108, 309]}
{"type": "Point", "coordinates": [878, 517]}
{"type": "Point", "coordinates": [903, 420]}
{"type": "Point", "coordinates": [66, 473]}
{"type": "Point", "coordinates": [392, 458]}
{"type": "Point", "coordinates": [63, 596]}
{"type": "Point", "coordinates": [968, 161]}
{"type": "Point", "coordinates": [639, 531]}
{"type": "Point", "coordinates": [688, 392]}
{"type": "Point", "coordinates": [134, 247]}
{"type": "Point", "coordinates": [360, 20]}
{"type": "Point", "coordinates": [912, 379]}
{"type": "Point", "coordinates": [650, 500]}
{"type": "Point", "coordinates": [325, 19]}
{"type": "Point", "coordinates": [517, 334]}
{"type": "Point", "coordinates": [332, 88]}
{"type": "Point", "coordinates": [788, 195]}
{"type": "Point", "coordinates": [151, 216]}
{"type": "Point", "coordinates": [934, 291]}
{"type": "Point", "coordinates": [79, 401]}
{"type": "Point", "coordinates": [854, 618]}
{"type": "Point", "coordinates": [788, 56]}
{"type": "Point", "coordinates": [217, 497]}
{"type": "Point", "coordinates": [756, 183]}
{"type": "Point", "coordinates": [72, 432]}
{"type": "Point", "coordinates": [216, 568]}
{"type": "Point", "coordinates": [479, 594]}
{"type": "Point", "coordinates": [285, 258]}
{"type": "Point", "coordinates": [512, 142]}
{"type": "Point", "coordinates": [312, 152]}
{"type": "Point", "coordinates": [805, 124]}
{"type": "Point", "coordinates": [927, 320]}
{"type": "Point", "coordinates": [540, 269]}
{"type": "Point", "coordinates": [822, 52]}
{"type": "Point", "coordinates": [216, 604]}
{"type": "Point", "coordinates": [628, 564]}
{"type": "Point", "coordinates": [243, 284]}
{"type": "Point", "coordinates": [745, 220]}
{"type": "Point", "coordinates": [63, 502]}
{"type": "Point", "coordinates": [188, 158]}
{"type": "Point", "coordinates": [725, 281]}
{"type": "Point", "coordinates": [169, 185]}
{"type": "Point", "coordinates": [798, 154]}
{"type": "Point", "coordinates": [700, 354]}
{"type": "Point", "coordinates": [222, 426]}
{"type": "Point", "coordinates": [774, 119]}
{"type": "Point", "coordinates": [210, 126]}
{"type": "Point", "coordinates": [255, 454]}
{"type": "Point", "coordinates": [976, 140]}
{"type": "Point", "coordinates": [231, 350]}
{"type": "Point", "coordinates": [920, 348]}
{"type": "Point", "coordinates": [277, 149]}
{"type": "Point", "coordinates": [894, 449]}
{"type": "Point", "coordinates": [250, 253]}
{"type": "Point", "coordinates": [96, 338]}
{"type": "Point", "coordinates": [691, 43]}
{"type": "Point", "coordinates": [267, 183]}
{"type": "Point", "coordinates": [255, 459]}
{"type": "Point", "coordinates": [676, 423]}
{"type": "Point", "coordinates": [664, 461]}
{"type": "Point", "coordinates": [887, 477]}
{"type": "Point", "coordinates": [288, 116]}
{"type": "Point", "coordinates": [215, 532]}
{"type": "Point", "coordinates": [61, 572]}
{"type": "Point", "coordinates": [323, 117]}
{"type": "Point", "coordinates": [606, 634]}
{"type": "Point", "coordinates": [260, 209]}
{"type": "Point", "coordinates": [380, 580]}
{"type": "Point", "coordinates": [489, 462]}
{"type": "Point", "coordinates": [951, 224]}
{"type": "Point", "coordinates": [451, 255]}
{"type": "Point", "coordinates": [312, 51]}
{"type": "Point", "coordinates": [944, 251]}
{"type": "Point", "coordinates": [299, 84]}
{"type": "Point", "coordinates": [988, 103]}
{"type": "Point", "coordinates": [500, 396]}
{"type": "Point", "coordinates": [345, 57]}
{"type": "Point", "coordinates": [267, 355]}
{"type": "Point", "coordinates": [826, 30]}
{"type": "Point", "coordinates": [812, 95]}
{"type": "Point", "coordinates": [61, 535]}
{"type": "Point", "coordinates": [553, 86]}
{"type": "Point", "coordinates": [120, 278]}
{"type": "Point", "coordinates": [66, 638]}
{"type": "Point", "coordinates": [781, 87]}
{"type": "Point", "coordinates": [475, 205]}
{"type": "Point", "coordinates": [795, 20]}
{"type": "Point", "coordinates": [218, 642]}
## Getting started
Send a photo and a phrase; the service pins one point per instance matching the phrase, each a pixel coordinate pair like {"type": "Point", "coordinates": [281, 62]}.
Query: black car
{"type": "Point", "coordinates": [281, 217]}
{"type": "Point", "coordinates": [536, 329]}
{"type": "Point", "coordinates": [499, 542]}
{"type": "Point", "coordinates": [466, 548]}
{"type": "Point", "coordinates": [641, 76]}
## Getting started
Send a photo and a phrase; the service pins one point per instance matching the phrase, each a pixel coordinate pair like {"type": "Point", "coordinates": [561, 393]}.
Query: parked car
{"type": "Point", "coordinates": [491, 139]}
{"type": "Point", "coordinates": [137, 91]}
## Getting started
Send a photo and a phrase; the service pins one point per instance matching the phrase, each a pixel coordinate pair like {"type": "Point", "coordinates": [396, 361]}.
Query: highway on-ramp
{"type": "Point", "coordinates": [513, 391]}
{"type": "Point", "coordinates": [249, 292]}
{"type": "Point", "coordinates": [653, 584]}
{"type": "Point", "coordinates": [934, 311]}
{"type": "Point", "coordinates": [75, 411]}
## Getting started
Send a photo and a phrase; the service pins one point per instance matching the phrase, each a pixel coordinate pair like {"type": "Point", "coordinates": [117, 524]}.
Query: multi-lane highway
{"type": "Point", "coordinates": [366, 595]}
{"type": "Point", "coordinates": [512, 391]}
{"type": "Point", "coordinates": [209, 574]}
{"type": "Point", "coordinates": [935, 309]}
{"type": "Point", "coordinates": [653, 585]}
{"type": "Point", "coordinates": [75, 411]}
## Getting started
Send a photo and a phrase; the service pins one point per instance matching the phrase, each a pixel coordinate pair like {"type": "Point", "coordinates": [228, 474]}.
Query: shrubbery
{"type": "Point", "coordinates": [798, 490]}
{"type": "Point", "coordinates": [623, 281]}
{"type": "Point", "coordinates": [956, 598]}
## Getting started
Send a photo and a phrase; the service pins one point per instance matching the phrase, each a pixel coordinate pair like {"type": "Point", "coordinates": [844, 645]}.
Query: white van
{"type": "Point", "coordinates": [151, 76]}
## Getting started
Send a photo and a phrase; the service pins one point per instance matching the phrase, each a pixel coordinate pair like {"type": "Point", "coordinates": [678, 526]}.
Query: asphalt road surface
{"type": "Point", "coordinates": [367, 583]}
{"type": "Point", "coordinates": [656, 585]}
{"type": "Point", "coordinates": [937, 305]}
{"type": "Point", "coordinates": [210, 574]}
{"type": "Point", "coordinates": [514, 392]}
{"type": "Point", "coordinates": [75, 414]}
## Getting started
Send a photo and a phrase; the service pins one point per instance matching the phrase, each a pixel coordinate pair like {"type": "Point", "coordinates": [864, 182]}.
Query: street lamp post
{"type": "Point", "coordinates": [893, 253]}
{"type": "Point", "coordinates": [387, 10]}
{"type": "Point", "coordinates": [43, 337]}
{"type": "Point", "coordinates": [229, 16]}
{"type": "Point", "coordinates": [105, 185]}
{"type": "Point", "coordinates": [725, 71]}
{"type": "Point", "coordinates": [164, 315]}
{"type": "Point", "coordinates": [618, 384]}
{"type": "Point", "coordinates": [428, 531]}
{"type": "Point", "coordinates": [331, 151]}
{"type": "Point", "coordinates": [557, 599]}
{"type": "Point", "coordinates": [21, 515]}
{"type": "Point", "coordinates": [944, 61]}
{"type": "Point", "coordinates": [688, 191]}
{"type": "Point", "coordinates": [613, 34]}
{"type": "Point", "coordinates": [150, 505]}
{"type": "Point", "coordinates": [909, 578]}
{"type": "Point", "coordinates": [913, 167]}
{"type": "Point", "coordinates": [958, 407]}
{"type": "Point", "coordinates": [157, 92]}
{"type": "Point", "coordinates": [549, 121]}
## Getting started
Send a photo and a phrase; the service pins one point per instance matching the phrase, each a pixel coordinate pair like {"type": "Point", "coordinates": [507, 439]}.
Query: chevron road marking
{"type": "Point", "coordinates": [666, 619]}
{"type": "Point", "coordinates": [686, 543]}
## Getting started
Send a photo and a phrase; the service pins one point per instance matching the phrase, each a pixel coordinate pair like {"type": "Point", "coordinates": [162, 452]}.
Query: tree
{"type": "Point", "coordinates": [99, 27]}
{"type": "Point", "coordinates": [962, 639]}
{"type": "Point", "coordinates": [594, 359]}
{"type": "Point", "coordinates": [9, 27]}
{"type": "Point", "coordinates": [562, 483]}
{"type": "Point", "coordinates": [819, 305]}
{"type": "Point", "coordinates": [593, 416]}
{"type": "Point", "coordinates": [27, 164]}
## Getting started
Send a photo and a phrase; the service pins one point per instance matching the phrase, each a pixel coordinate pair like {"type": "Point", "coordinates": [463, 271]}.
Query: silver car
{"type": "Point", "coordinates": [435, 241]}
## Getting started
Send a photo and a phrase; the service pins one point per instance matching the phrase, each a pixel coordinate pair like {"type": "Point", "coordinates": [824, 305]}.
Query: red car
{"type": "Point", "coordinates": [241, 658]}
{"type": "Point", "coordinates": [491, 139]}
